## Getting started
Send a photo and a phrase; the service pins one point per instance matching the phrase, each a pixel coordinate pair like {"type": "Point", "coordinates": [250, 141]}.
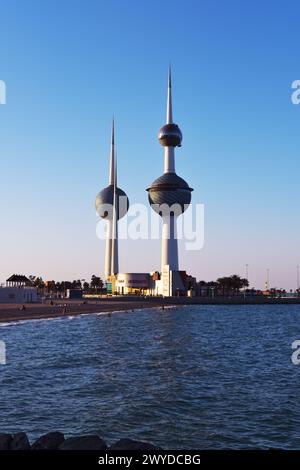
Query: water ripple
{"type": "Point", "coordinates": [193, 377]}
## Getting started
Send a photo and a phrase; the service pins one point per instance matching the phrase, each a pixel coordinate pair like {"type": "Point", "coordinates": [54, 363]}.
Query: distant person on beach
{"type": "Point", "coordinates": [64, 309]}
{"type": "Point", "coordinates": [23, 308]}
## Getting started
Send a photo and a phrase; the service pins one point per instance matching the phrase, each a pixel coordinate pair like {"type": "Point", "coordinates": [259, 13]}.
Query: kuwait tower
{"type": "Point", "coordinates": [111, 205]}
{"type": "Point", "coordinates": [169, 195]}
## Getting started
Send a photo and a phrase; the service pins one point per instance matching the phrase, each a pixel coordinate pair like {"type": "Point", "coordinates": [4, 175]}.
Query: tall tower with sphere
{"type": "Point", "coordinates": [169, 195]}
{"type": "Point", "coordinates": [111, 205]}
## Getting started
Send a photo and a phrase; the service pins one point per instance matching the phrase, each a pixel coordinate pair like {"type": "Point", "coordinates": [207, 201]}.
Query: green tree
{"type": "Point", "coordinates": [230, 284]}
{"type": "Point", "coordinates": [37, 282]}
{"type": "Point", "coordinates": [77, 284]}
{"type": "Point", "coordinates": [86, 286]}
{"type": "Point", "coordinates": [224, 284]}
{"type": "Point", "coordinates": [96, 283]}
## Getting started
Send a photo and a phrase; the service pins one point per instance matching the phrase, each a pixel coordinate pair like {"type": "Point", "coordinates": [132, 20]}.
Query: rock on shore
{"type": "Point", "coordinates": [57, 441]}
{"type": "Point", "coordinates": [83, 443]}
{"type": "Point", "coordinates": [50, 441]}
{"type": "Point", "coordinates": [17, 441]}
{"type": "Point", "coordinates": [130, 444]}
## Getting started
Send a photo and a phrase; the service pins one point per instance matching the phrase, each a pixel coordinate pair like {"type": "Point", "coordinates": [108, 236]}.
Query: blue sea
{"type": "Point", "coordinates": [203, 377]}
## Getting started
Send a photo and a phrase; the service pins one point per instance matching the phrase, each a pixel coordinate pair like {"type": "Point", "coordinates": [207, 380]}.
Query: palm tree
{"type": "Point", "coordinates": [38, 283]}
{"type": "Point", "coordinates": [86, 286]}
{"type": "Point", "coordinates": [96, 282]}
{"type": "Point", "coordinates": [232, 283]}
{"type": "Point", "coordinates": [224, 284]}
{"type": "Point", "coordinates": [238, 283]}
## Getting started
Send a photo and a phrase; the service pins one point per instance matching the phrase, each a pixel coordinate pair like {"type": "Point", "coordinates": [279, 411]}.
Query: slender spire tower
{"type": "Point", "coordinates": [109, 225]}
{"type": "Point", "coordinates": [114, 241]}
{"type": "Point", "coordinates": [111, 205]}
{"type": "Point", "coordinates": [169, 195]}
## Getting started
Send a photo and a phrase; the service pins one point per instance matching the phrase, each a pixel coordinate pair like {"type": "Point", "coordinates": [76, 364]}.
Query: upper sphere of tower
{"type": "Point", "coordinates": [170, 135]}
{"type": "Point", "coordinates": [105, 201]}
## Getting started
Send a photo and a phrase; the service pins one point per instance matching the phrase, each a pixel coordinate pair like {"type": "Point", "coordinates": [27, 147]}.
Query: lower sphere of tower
{"type": "Point", "coordinates": [105, 200]}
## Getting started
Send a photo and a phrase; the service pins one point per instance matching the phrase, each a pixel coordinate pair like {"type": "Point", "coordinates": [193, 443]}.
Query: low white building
{"type": "Point", "coordinates": [133, 283]}
{"type": "Point", "coordinates": [167, 284]}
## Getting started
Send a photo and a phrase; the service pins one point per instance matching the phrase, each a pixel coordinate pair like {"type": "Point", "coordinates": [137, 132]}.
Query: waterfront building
{"type": "Point", "coordinates": [19, 290]}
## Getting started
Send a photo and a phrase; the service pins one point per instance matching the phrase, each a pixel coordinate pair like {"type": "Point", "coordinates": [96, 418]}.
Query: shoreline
{"type": "Point", "coordinates": [38, 311]}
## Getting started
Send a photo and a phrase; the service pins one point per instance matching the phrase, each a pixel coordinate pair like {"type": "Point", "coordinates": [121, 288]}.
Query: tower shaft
{"type": "Point", "coordinates": [114, 241]}
{"type": "Point", "coordinates": [169, 160]}
{"type": "Point", "coordinates": [108, 249]}
{"type": "Point", "coordinates": [109, 229]}
{"type": "Point", "coordinates": [169, 252]}
{"type": "Point", "coordinates": [115, 250]}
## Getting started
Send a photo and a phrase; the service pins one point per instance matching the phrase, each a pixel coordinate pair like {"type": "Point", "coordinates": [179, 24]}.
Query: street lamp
{"type": "Point", "coordinates": [268, 279]}
{"type": "Point", "coordinates": [246, 276]}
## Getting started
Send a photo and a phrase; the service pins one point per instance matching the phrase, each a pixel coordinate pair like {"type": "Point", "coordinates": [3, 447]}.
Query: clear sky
{"type": "Point", "coordinates": [69, 64]}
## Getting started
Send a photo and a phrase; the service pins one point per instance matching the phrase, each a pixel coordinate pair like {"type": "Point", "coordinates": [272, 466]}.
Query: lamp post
{"type": "Point", "coordinates": [246, 277]}
{"type": "Point", "coordinates": [247, 274]}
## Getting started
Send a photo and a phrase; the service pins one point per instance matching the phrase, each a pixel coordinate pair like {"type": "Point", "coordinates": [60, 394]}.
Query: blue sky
{"type": "Point", "coordinates": [68, 65]}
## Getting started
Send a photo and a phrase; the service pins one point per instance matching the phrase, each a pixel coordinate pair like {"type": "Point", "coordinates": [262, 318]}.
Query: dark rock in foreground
{"type": "Point", "coordinates": [5, 440]}
{"type": "Point", "coordinates": [130, 444]}
{"type": "Point", "coordinates": [19, 442]}
{"type": "Point", "coordinates": [57, 441]}
{"type": "Point", "coordinates": [83, 443]}
{"type": "Point", "coordinates": [50, 441]}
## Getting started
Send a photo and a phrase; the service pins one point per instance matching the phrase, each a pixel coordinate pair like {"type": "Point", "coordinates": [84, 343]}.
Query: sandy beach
{"type": "Point", "coordinates": [14, 312]}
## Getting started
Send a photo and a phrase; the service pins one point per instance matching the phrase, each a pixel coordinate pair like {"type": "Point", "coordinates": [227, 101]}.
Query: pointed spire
{"type": "Point", "coordinates": [112, 154]}
{"type": "Point", "coordinates": [115, 201]}
{"type": "Point", "coordinates": [113, 131]}
{"type": "Point", "coordinates": [169, 102]}
{"type": "Point", "coordinates": [116, 173]}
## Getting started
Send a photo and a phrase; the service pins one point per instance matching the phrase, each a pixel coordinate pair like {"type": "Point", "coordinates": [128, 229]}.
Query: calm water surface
{"type": "Point", "coordinates": [193, 377]}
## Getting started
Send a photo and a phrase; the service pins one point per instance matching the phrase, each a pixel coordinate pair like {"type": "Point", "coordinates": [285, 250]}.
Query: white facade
{"type": "Point", "coordinates": [171, 282]}
{"type": "Point", "coordinates": [18, 295]}
{"type": "Point", "coordinates": [128, 283]}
